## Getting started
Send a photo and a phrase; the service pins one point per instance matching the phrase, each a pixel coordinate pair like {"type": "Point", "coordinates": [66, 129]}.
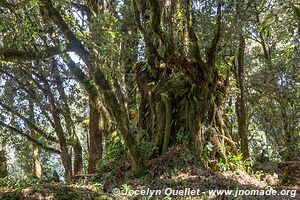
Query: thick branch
{"type": "Point", "coordinates": [34, 127]}
{"type": "Point", "coordinates": [31, 139]}
{"type": "Point", "coordinates": [57, 19]}
{"type": "Point", "coordinates": [148, 39]}
{"type": "Point", "coordinates": [13, 55]}
{"type": "Point", "coordinates": [88, 85]}
{"type": "Point", "coordinates": [212, 51]}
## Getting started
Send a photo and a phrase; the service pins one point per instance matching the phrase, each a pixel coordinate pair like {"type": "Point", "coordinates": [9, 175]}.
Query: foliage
{"type": "Point", "coordinates": [18, 182]}
{"type": "Point", "coordinates": [131, 85]}
{"type": "Point", "coordinates": [114, 148]}
{"type": "Point", "coordinates": [236, 163]}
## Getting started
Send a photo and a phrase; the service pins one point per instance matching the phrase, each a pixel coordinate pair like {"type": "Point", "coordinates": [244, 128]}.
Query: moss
{"type": "Point", "coordinates": [52, 191]}
{"type": "Point", "coordinates": [168, 123]}
{"type": "Point", "coordinates": [155, 15]}
{"type": "Point", "coordinates": [160, 110]}
{"type": "Point", "coordinates": [139, 65]}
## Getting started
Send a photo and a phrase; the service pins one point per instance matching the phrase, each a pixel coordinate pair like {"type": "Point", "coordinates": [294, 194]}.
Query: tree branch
{"type": "Point", "coordinates": [212, 50]}
{"type": "Point", "coordinates": [31, 139]}
{"type": "Point", "coordinates": [34, 127]}
{"type": "Point", "coordinates": [88, 85]}
{"type": "Point", "coordinates": [82, 7]}
{"type": "Point", "coordinates": [13, 55]}
{"type": "Point", "coordinates": [57, 19]}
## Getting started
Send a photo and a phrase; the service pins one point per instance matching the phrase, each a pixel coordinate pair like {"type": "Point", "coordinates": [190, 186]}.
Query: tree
{"type": "Point", "coordinates": [153, 72]}
{"type": "Point", "coordinates": [275, 82]}
{"type": "Point", "coordinates": [3, 165]}
{"type": "Point", "coordinates": [166, 63]}
{"type": "Point", "coordinates": [241, 107]}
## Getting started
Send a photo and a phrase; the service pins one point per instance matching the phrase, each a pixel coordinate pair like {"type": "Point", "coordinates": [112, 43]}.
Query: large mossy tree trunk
{"type": "Point", "coordinates": [192, 111]}
{"type": "Point", "coordinates": [181, 93]}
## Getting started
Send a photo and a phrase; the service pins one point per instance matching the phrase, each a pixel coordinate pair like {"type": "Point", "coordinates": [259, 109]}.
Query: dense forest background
{"type": "Point", "coordinates": [91, 88]}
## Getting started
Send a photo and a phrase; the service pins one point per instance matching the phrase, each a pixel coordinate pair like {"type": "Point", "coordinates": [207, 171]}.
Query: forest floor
{"type": "Point", "coordinates": [176, 170]}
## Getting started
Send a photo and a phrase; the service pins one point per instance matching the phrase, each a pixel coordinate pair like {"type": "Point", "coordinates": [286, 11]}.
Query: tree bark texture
{"type": "Point", "coordinates": [241, 104]}
{"type": "Point", "coordinates": [36, 162]}
{"type": "Point", "coordinates": [3, 162]}
{"type": "Point", "coordinates": [95, 135]}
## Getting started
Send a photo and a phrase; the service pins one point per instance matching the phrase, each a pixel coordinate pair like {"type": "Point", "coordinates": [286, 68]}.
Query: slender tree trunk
{"type": "Point", "coordinates": [95, 135]}
{"type": "Point", "coordinates": [36, 162]}
{"type": "Point", "coordinates": [167, 133]}
{"type": "Point", "coordinates": [78, 160]}
{"type": "Point", "coordinates": [95, 147]}
{"type": "Point", "coordinates": [77, 148]}
{"type": "Point", "coordinates": [37, 167]}
{"type": "Point", "coordinates": [241, 109]}
{"type": "Point", "coordinates": [129, 52]}
{"type": "Point", "coordinates": [65, 154]}
{"type": "Point", "coordinates": [290, 139]}
{"type": "Point", "coordinates": [3, 161]}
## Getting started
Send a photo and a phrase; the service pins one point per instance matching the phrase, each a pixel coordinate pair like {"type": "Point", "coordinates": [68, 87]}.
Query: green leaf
{"type": "Point", "coordinates": [296, 12]}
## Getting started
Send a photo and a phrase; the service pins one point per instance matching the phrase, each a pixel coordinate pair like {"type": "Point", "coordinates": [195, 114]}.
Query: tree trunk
{"type": "Point", "coordinates": [65, 155]}
{"type": "Point", "coordinates": [168, 122]}
{"type": "Point", "coordinates": [194, 87]}
{"type": "Point", "coordinates": [117, 110]}
{"type": "Point", "coordinates": [241, 105]}
{"type": "Point", "coordinates": [291, 141]}
{"type": "Point", "coordinates": [95, 134]}
{"type": "Point", "coordinates": [37, 167]}
{"type": "Point", "coordinates": [36, 162]}
{"type": "Point", "coordinates": [3, 162]}
{"type": "Point", "coordinates": [129, 53]}
{"type": "Point", "coordinates": [78, 162]}
{"type": "Point", "coordinates": [66, 160]}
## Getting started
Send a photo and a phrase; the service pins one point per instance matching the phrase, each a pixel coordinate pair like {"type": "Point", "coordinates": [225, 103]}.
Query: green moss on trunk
{"type": "Point", "coordinates": [167, 134]}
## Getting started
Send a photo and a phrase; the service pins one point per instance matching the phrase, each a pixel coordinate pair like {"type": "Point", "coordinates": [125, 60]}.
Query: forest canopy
{"type": "Point", "coordinates": [91, 86]}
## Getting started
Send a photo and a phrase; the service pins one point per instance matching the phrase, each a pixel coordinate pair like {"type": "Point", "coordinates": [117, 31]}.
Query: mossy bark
{"type": "Point", "coordinates": [3, 163]}
{"type": "Point", "coordinates": [168, 120]}
{"type": "Point", "coordinates": [241, 104]}
{"type": "Point", "coordinates": [161, 122]}
{"type": "Point", "coordinates": [95, 135]}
